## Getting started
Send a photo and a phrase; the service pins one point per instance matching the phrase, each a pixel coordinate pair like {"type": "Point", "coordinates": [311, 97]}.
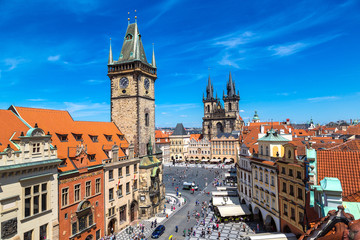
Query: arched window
{"type": "Point", "coordinates": [267, 151]}
{"type": "Point", "coordinates": [208, 108]}
{"type": "Point", "coordinates": [261, 150]}
{"type": "Point", "coordinates": [146, 119]}
{"type": "Point", "coordinates": [129, 37]}
{"type": "Point", "coordinates": [229, 106]}
{"type": "Point", "coordinates": [289, 154]}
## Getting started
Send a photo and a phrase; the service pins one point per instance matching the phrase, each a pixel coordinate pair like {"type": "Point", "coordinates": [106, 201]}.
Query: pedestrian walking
{"type": "Point", "coordinates": [176, 228]}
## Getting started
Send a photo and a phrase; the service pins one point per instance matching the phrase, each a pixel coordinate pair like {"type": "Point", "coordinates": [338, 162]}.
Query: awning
{"type": "Point", "coordinates": [226, 188]}
{"type": "Point", "coordinates": [273, 236]}
{"type": "Point", "coordinates": [233, 210]}
{"type": "Point", "coordinates": [215, 160]}
{"type": "Point", "coordinates": [227, 161]}
{"type": "Point", "coordinates": [224, 193]}
{"type": "Point", "coordinates": [205, 160]}
{"type": "Point", "coordinates": [219, 201]}
{"type": "Point", "coordinates": [230, 175]}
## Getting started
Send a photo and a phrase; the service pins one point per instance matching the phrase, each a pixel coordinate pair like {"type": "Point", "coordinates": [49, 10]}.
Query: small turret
{"type": "Point", "coordinates": [209, 90]}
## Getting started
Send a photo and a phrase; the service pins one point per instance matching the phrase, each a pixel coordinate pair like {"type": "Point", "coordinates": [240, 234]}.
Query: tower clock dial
{"type": "Point", "coordinates": [146, 84]}
{"type": "Point", "coordinates": [124, 82]}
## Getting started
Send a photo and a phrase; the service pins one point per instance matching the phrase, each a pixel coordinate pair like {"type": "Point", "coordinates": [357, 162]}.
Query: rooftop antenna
{"type": "Point", "coordinates": [128, 18]}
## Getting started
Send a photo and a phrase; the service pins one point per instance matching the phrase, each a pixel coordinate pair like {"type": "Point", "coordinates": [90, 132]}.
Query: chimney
{"type": "Point", "coordinates": [131, 151]}
{"type": "Point", "coordinates": [262, 129]}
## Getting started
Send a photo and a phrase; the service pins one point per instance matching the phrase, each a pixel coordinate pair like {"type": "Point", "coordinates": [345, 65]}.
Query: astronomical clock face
{"type": "Point", "coordinates": [124, 82]}
{"type": "Point", "coordinates": [146, 84]}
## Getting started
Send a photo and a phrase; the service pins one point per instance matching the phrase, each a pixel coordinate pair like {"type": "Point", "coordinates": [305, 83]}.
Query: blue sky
{"type": "Point", "coordinates": [289, 59]}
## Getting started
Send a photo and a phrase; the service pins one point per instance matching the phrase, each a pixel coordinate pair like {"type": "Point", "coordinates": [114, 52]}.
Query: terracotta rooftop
{"type": "Point", "coordinates": [342, 165]}
{"type": "Point", "coordinates": [11, 128]}
{"type": "Point", "coordinates": [96, 136]}
{"type": "Point", "coordinates": [196, 137]}
{"type": "Point", "coordinates": [355, 197]}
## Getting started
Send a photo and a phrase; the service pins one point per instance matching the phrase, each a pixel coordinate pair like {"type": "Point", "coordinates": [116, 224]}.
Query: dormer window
{"type": "Point", "coordinates": [91, 157]}
{"type": "Point", "coordinates": [93, 138]}
{"type": "Point", "coordinates": [36, 147]}
{"type": "Point", "coordinates": [108, 137]}
{"type": "Point", "coordinates": [78, 137]}
{"type": "Point", "coordinates": [121, 137]}
{"type": "Point", "coordinates": [62, 137]}
{"type": "Point", "coordinates": [129, 37]}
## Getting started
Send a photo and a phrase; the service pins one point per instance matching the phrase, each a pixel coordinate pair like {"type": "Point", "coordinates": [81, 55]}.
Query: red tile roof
{"type": "Point", "coordinates": [353, 130]}
{"type": "Point", "coordinates": [60, 122]}
{"type": "Point", "coordinates": [355, 197]}
{"type": "Point", "coordinates": [342, 165]}
{"type": "Point", "coordinates": [196, 137]}
{"type": "Point", "coordinates": [11, 128]}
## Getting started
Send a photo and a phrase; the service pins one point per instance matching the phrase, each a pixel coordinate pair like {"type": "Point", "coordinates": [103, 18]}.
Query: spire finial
{"type": "Point", "coordinates": [153, 62]}
{"type": "Point", "coordinates": [135, 16]}
{"type": "Point", "coordinates": [128, 18]}
{"type": "Point", "coordinates": [110, 61]}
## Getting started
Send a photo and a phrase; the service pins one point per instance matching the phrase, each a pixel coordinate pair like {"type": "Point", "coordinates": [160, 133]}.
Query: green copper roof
{"type": "Point", "coordinates": [272, 136]}
{"type": "Point", "coordinates": [146, 161]}
{"type": "Point", "coordinates": [331, 184]}
{"type": "Point", "coordinates": [132, 48]}
{"type": "Point", "coordinates": [256, 117]}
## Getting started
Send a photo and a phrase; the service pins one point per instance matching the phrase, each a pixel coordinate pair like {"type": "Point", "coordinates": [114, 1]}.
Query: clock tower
{"type": "Point", "coordinates": [133, 91]}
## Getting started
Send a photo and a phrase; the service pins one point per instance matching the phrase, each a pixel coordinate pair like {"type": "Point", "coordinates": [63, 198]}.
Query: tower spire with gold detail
{"type": "Point", "coordinates": [110, 61]}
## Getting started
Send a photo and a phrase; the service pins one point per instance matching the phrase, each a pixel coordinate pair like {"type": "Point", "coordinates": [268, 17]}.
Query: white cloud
{"type": "Point", "coordinates": [319, 99]}
{"type": "Point", "coordinates": [184, 116]}
{"type": "Point", "coordinates": [13, 63]}
{"type": "Point", "coordinates": [93, 81]}
{"type": "Point", "coordinates": [286, 50]}
{"type": "Point", "coordinates": [235, 41]}
{"type": "Point", "coordinates": [164, 113]}
{"type": "Point", "coordinates": [36, 100]}
{"type": "Point", "coordinates": [241, 110]}
{"type": "Point", "coordinates": [178, 107]}
{"type": "Point", "coordinates": [53, 58]}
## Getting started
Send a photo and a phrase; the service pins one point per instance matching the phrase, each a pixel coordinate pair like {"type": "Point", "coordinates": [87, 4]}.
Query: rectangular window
{"type": "Point", "coordinates": [300, 195]}
{"type": "Point", "coordinates": [283, 170]}
{"type": "Point", "coordinates": [284, 187]}
{"type": "Point", "coordinates": [291, 190]}
{"type": "Point", "coordinates": [97, 186]}
{"type": "Point", "coordinates": [111, 194]}
{"type": "Point", "coordinates": [88, 189]}
{"type": "Point", "coordinates": [27, 201]}
{"type": "Point", "coordinates": [82, 223]}
{"type": "Point", "coordinates": [285, 210]}
{"type": "Point", "coordinates": [261, 176]}
{"type": "Point", "coordinates": [298, 174]}
{"type": "Point", "coordinates": [123, 214]}
{"type": "Point", "coordinates": [120, 172]}
{"type": "Point", "coordinates": [272, 181]}
{"type": "Point", "coordinates": [28, 235]}
{"type": "Point", "coordinates": [266, 178]}
{"type": "Point", "coordinates": [111, 174]}
{"type": "Point", "coordinates": [293, 214]}
{"type": "Point", "coordinates": [120, 191]}
{"type": "Point", "coordinates": [77, 192]}
{"type": "Point", "coordinates": [127, 170]}
{"type": "Point", "coordinates": [91, 221]}
{"type": "Point", "coordinates": [44, 201]}
{"type": "Point", "coordinates": [36, 204]}
{"type": "Point", "coordinates": [98, 234]}
{"type": "Point", "coordinates": [127, 188]}
{"type": "Point", "coordinates": [74, 228]}
{"type": "Point", "coordinates": [135, 167]}
{"type": "Point", "coordinates": [36, 147]}
{"type": "Point", "coordinates": [301, 217]}
{"type": "Point", "coordinates": [43, 231]}
{"type": "Point", "coordinates": [64, 196]}
{"type": "Point", "coordinates": [135, 184]}
{"type": "Point", "coordinates": [290, 172]}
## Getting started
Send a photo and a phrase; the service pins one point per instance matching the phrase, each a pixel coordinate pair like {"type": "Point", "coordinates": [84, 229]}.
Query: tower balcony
{"type": "Point", "coordinates": [118, 67]}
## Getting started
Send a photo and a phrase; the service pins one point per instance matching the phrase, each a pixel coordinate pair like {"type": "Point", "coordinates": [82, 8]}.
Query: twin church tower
{"type": "Point", "coordinates": [219, 119]}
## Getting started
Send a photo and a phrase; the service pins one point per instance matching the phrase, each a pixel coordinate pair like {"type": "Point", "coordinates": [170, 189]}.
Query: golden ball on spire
{"type": "Point", "coordinates": [135, 17]}
{"type": "Point", "coordinates": [128, 19]}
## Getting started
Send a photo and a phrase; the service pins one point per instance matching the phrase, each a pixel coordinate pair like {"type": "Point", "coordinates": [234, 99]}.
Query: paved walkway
{"type": "Point", "coordinates": [134, 230]}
